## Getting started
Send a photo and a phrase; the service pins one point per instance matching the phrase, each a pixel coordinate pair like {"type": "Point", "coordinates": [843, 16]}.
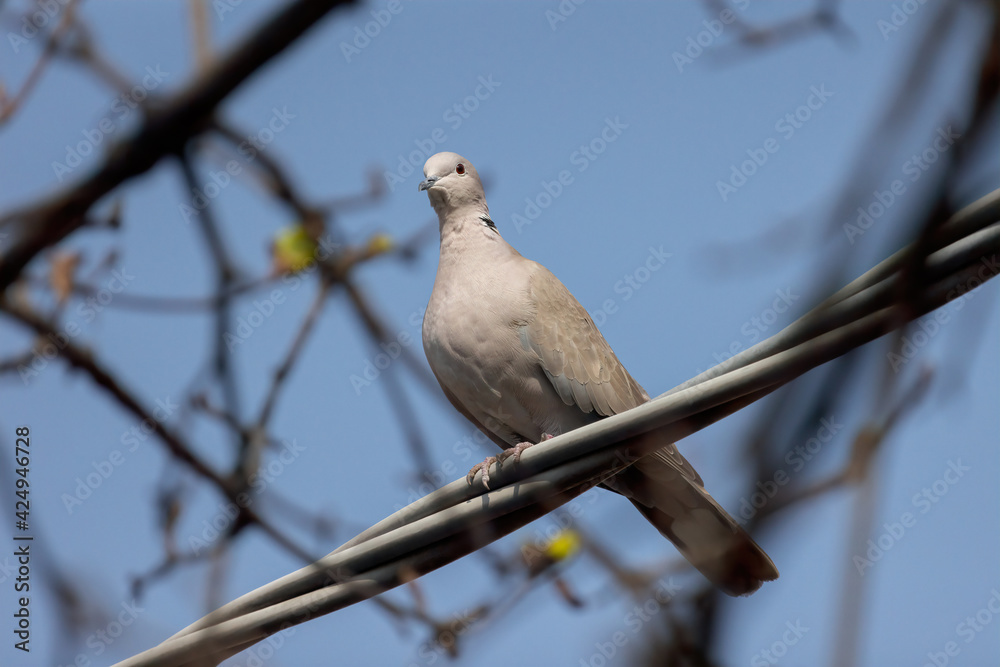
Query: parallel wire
{"type": "Point", "coordinates": [458, 519]}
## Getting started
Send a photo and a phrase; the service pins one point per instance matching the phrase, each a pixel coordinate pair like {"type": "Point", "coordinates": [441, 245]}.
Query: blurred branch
{"type": "Point", "coordinates": [858, 471]}
{"type": "Point", "coordinates": [281, 373]}
{"type": "Point", "coordinates": [201, 33]}
{"type": "Point", "coordinates": [865, 445]}
{"type": "Point", "coordinates": [225, 277]}
{"type": "Point", "coordinates": [84, 360]}
{"type": "Point", "coordinates": [165, 305]}
{"type": "Point", "coordinates": [9, 106]}
{"type": "Point", "coordinates": [380, 333]}
{"type": "Point", "coordinates": [277, 181]}
{"type": "Point", "coordinates": [894, 123]}
{"type": "Point", "coordinates": [823, 17]}
{"type": "Point", "coordinates": [165, 130]}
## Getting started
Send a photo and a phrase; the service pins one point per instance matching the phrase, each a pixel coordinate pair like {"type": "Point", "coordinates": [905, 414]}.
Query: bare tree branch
{"type": "Point", "coordinates": [165, 131]}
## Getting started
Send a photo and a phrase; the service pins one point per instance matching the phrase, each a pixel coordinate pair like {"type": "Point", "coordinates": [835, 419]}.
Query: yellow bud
{"type": "Point", "coordinates": [380, 243]}
{"type": "Point", "coordinates": [293, 249]}
{"type": "Point", "coordinates": [563, 545]}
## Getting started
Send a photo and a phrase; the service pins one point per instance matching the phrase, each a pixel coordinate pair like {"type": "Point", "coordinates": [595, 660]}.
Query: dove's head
{"type": "Point", "coordinates": [452, 183]}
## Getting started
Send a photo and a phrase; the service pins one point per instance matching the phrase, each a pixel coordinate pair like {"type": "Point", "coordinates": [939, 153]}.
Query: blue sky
{"type": "Point", "coordinates": [642, 145]}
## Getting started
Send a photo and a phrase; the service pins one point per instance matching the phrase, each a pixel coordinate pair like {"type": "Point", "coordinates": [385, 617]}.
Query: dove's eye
{"type": "Point", "coordinates": [460, 169]}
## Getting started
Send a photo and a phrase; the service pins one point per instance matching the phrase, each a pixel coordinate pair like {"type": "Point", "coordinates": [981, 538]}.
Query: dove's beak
{"type": "Point", "coordinates": [427, 183]}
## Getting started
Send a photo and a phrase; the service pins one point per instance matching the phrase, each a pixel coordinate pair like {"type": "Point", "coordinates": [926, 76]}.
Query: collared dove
{"type": "Point", "coordinates": [521, 359]}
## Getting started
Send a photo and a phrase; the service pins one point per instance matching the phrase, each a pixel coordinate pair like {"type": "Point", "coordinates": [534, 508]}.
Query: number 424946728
{"type": "Point", "coordinates": [22, 457]}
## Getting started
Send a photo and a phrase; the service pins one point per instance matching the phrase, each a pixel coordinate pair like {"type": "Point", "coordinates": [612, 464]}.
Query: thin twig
{"type": "Point", "coordinates": [165, 131]}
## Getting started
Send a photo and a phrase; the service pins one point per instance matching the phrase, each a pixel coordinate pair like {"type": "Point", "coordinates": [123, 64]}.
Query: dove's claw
{"type": "Point", "coordinates": [517, 449]}
{"type": "Point", "coordinates": [485, 467]}
{"type": "Point", "coordinates": [514, 452]}
{"type": "Point", "coordinates": [499, 459]}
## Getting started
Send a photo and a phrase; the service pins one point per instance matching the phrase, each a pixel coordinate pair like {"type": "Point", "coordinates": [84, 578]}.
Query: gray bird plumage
{"type": "Point", "coordinates": [521, 359]}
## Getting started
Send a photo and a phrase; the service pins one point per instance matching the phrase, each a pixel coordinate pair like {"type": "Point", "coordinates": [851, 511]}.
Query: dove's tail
{"type": "Point", "coordinates": [684, 513]}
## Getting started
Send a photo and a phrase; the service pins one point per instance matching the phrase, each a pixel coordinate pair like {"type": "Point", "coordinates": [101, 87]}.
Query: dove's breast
{"type": "Point", "coordinates": [471, 326]}
{"type": "Point", "coordinates": [471, 336]}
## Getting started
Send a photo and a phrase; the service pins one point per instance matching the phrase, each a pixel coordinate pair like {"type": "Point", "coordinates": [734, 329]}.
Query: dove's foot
{"type": "Point", "coordinates": [516, 450]}
{"type": "Point", "coordinates": [485, 467]}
